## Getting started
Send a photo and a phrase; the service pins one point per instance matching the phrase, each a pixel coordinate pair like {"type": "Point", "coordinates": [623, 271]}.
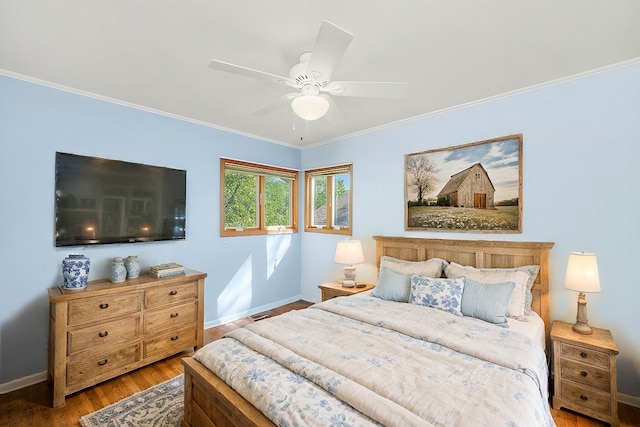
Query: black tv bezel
{"type": "Point", "coordinates": [119, 240]}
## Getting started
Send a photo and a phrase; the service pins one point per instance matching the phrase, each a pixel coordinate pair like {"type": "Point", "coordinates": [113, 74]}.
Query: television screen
{"type": "Point", "coordinates": [101, 201]}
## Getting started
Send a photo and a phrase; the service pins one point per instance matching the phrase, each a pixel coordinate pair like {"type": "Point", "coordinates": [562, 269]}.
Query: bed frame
{"type": "Point", "coordinates": [210, 402]}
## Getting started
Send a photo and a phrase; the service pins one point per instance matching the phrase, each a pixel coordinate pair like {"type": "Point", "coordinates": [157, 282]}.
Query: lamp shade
{"type": "Point", "coordinates": [349, 252]}
{"type": "Point", "coordinates": [310, 107]}
{"type": "Point", "coordinates": [582, 272]}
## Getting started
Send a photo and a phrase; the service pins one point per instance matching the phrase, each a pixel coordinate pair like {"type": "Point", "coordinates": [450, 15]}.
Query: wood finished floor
{"type": "Point", "coordinates": [31, 406]}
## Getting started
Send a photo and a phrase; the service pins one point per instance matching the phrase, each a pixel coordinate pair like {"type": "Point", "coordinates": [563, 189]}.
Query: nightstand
{"type": "Point", "coordinates": [335, 289]}
{"type": "Point", "coordinates": [584, 369]}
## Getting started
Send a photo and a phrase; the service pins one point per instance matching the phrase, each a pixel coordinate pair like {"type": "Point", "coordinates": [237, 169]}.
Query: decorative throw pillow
{"type": "Point", "coordinates": [486, 302]}
{"type": "Point", "coordinates": [392, 286]}
{"type": "Point", "coordinates": [443, 294]}
{"type": "Point", "coordinates": [430, 268]}
{"type": "Point", "coordinates": [492, 276]}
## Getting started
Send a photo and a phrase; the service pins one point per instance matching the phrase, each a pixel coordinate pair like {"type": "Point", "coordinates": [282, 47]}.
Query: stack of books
{"type": "Point", "coordinates": [166, 270]}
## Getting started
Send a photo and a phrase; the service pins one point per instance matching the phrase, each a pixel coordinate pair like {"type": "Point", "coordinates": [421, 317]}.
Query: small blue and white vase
{"type": "Point", "coordinates": [117, 271]}
{"type": "Point", "coordinates": [75, 271]}
{"type": "Point", "coordinates": [133, 266]}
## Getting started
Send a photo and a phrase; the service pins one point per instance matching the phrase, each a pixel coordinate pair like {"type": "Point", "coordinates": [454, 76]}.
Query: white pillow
{"type": "Point", "coordinates": [430, 268]}
{"type": "Point", "coordinates": [492, 276]}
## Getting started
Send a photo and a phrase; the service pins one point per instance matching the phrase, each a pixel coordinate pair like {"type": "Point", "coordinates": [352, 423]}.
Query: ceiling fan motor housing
{"type": "Point", "coordinates": [302, 77]}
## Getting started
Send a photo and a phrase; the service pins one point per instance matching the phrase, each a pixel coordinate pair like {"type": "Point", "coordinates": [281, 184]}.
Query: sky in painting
{"type": "Point", "coordinates": [499, 158]}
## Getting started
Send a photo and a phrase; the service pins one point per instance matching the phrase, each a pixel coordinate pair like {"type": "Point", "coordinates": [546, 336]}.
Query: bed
{"type": "Point", "coordinates": [374, 360]}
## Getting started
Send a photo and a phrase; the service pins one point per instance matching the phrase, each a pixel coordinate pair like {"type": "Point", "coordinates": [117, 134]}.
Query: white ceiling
{"type": "Point", "coordinates": [154, 54]}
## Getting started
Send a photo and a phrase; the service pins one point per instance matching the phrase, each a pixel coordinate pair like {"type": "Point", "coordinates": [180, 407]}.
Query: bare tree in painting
{"type": "Point", "coordinates": [421, 175]}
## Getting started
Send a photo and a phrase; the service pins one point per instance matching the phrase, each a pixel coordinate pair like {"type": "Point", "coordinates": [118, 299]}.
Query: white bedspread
{"type": "Point", "coordinates": [363, 361]}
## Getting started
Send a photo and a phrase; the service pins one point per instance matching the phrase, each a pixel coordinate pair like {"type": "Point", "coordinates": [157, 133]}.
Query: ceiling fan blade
{"type": "Point", "coordinates": [368, 89]}
{"type": "Point", "coordinates": [331, 43]}
{"type": "Point", "coordinates": [276, 103]}
{"type": "Point", "coordinates": [248, 72]}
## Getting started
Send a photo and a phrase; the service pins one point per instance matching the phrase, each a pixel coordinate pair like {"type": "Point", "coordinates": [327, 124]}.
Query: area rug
{"type": "Point", "coordinates": [159, 406]}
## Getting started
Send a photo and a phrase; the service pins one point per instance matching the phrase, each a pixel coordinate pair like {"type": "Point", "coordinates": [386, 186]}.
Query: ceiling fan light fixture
{"type": "Point", "coordinates": [310, 107]}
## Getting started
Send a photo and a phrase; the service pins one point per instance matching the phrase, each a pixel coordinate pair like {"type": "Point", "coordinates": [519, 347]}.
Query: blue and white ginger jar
{"type": "Point", "coordinates": [133, 266]}
{"type": "Point", "coordinates": [117, 272]}
{"type": "Point", "coordinates": [75, 271]}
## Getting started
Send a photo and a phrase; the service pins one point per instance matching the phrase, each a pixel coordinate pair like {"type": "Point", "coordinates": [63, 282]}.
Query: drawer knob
{"type": "Point", "coordinates": [583, 355]}
{"type": "Point", "coordinates": [583, 397]}
{"type": "Point", "coordinates": [103, 362]}
{"type": "Point", "coordinates": [174, 338]}
{"type": "Point", "coordinates": [583, 373]}
{"type": "Point", "coordinates": [174, 315]}
{"type": "Point", "coordinates": [173, 293]}
{"type": "Point", "coordinates": [103, 305]}
{"type": "Point", "coordinates": [103, 334]}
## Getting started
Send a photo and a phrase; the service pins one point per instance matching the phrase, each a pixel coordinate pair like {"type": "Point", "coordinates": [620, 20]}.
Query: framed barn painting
{"type": "Point", "coordinates": [475, 188]}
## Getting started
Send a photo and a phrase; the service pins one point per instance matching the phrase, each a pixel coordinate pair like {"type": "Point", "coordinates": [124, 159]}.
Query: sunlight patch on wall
{"type": "Point", "coordinates": [236, 297]}
{"type": "Point", "coordinates": [277, 247]}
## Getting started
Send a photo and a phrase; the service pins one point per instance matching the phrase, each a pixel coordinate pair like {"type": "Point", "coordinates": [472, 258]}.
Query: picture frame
{"type": "Point", "coordinates": [473, 188]}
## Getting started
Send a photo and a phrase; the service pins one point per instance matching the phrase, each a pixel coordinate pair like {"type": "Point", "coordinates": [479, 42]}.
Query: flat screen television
{"type": "Point", "coordinates": [101, 201]}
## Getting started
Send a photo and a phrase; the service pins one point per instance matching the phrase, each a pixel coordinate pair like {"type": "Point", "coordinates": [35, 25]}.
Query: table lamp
{"type": "Point", "coordinates": [582, 276]}
{"type": "Point", "coordinates": [349, 252]}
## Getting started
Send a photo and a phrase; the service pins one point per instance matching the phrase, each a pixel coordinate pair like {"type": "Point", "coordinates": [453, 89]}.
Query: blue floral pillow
{"type": "Point", "coordinates": [443, 294]}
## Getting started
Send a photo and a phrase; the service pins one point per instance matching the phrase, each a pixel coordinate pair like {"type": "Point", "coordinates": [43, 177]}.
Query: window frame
{"type": "Point", "coordinates": [329, 172]}
{"type": "Point", "coordinates": [261, 171]}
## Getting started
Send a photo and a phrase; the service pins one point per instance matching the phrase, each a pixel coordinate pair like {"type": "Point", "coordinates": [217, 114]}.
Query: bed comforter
{"type": "Point", "coordinates": [361, 361]}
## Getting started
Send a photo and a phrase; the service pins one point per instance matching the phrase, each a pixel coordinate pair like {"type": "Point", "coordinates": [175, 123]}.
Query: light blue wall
{"type": "Point", "coordinates": [245, 274]}
{"type": "Point", "coordinates": [581, 190]}
{"type": "Point", "coordinates": [581, 145]}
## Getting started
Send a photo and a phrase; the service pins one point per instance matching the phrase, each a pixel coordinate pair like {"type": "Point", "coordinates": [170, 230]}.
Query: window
{"type": "Point", "coordinates": [328, 195]}
{"type": "Point", "coordinates": [257, 199]}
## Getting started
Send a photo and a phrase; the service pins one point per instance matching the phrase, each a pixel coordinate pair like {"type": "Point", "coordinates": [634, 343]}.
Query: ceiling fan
{"type": "Point", "coordinates": [311, 77]}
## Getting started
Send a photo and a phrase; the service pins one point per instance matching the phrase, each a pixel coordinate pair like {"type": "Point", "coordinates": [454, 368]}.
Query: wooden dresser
{"type": "Point", "coordinates": [585, 372]}
{"type": "Point", "coordinates": [109, 329]}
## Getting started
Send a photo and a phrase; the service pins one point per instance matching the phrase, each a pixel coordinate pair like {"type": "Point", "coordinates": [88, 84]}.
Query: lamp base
{"type": "Point", "coordinates": [581, 326]}
{"type": "Point", "coordinates": [349, 276]}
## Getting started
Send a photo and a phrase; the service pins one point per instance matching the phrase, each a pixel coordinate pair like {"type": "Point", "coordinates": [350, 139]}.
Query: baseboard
{"type": "Point", "coordinates": [23, 382]}
{"type": "Point", "coordinates": [247, 313]}
{"type": "Point", "coordinates": [629, 399]}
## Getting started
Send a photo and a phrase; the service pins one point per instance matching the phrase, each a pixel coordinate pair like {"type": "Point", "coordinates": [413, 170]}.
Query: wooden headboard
{"type": "Point", "coordinates": [479, 254]}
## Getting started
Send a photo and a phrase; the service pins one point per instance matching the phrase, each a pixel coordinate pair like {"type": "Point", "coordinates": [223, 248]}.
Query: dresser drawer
{"type": "Point", "coordinates": [586, 374]}
{"type": "Point", "coordinates": [170, 343]}
{"type": "Point", "coordinates": [103, 307]}
{"type": "Point", "coordinates": [585, 355]}
{"type": "Point", "coordinates": [89, 368]}
{"type": "Point", "coordinates": [170, 317]}
{"type": "Point", "coordinates": [171, 294]}
{"type": "Point", "coordinates": [103, 334]}
{"type": "Point", "coordinates": [586, 397]}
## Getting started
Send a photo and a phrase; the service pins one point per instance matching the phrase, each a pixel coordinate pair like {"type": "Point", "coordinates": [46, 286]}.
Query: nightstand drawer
{"type": "Point", "coordinates": [585, 355]}
{"type": "Point", "coordinates": [332, 293]}
{"type": "Point", "coordinates": [335, 289]}
{"type": "Point", "coordinates": [586, 397]}
{"type": "Point", "coordinates": [586, 374]}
